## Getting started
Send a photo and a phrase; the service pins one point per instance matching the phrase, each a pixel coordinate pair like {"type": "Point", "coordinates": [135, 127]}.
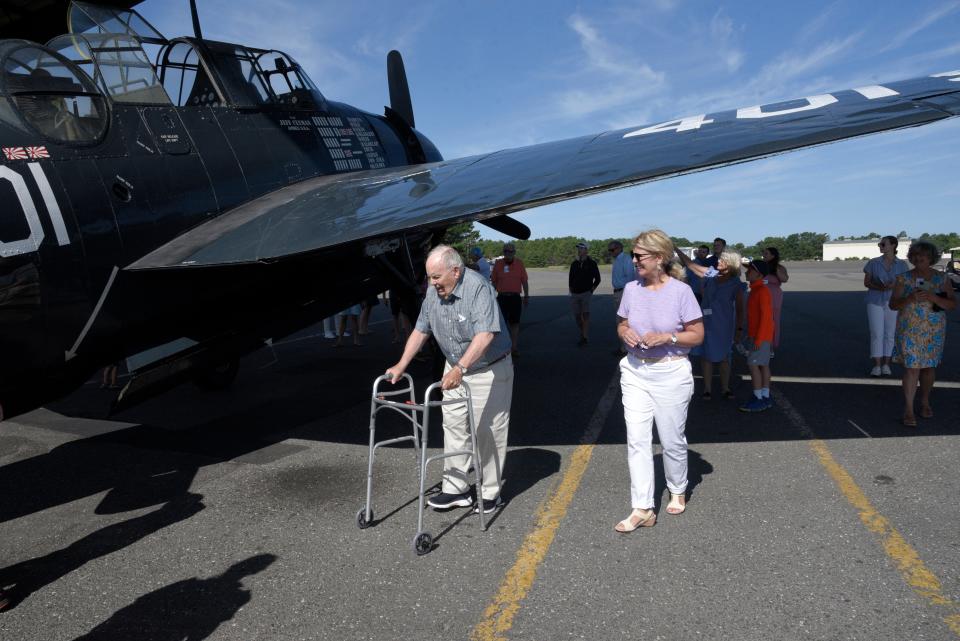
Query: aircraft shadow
{"type": "Point", "coordinates": [189, 609]}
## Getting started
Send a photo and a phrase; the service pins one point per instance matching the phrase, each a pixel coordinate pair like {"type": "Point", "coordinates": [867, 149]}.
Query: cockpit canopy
{"type": "Point", "coordinates": [219, 73]}
{"type": "Point", "coordinates": [62, 91]}
{"type": "Point", "coordinates": [51, 95]}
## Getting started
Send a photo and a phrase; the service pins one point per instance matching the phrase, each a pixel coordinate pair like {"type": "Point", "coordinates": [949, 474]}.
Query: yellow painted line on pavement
{"type": "Point", "coordinates": [499, 615]}
{"type": "Point", "coordinates": [923, 582]}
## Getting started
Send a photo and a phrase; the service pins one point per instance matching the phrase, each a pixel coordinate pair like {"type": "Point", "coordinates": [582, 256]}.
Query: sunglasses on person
{"type": "Point", "coordinates": [637, 256]}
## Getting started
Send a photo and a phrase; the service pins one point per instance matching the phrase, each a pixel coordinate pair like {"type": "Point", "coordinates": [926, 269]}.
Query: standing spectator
{"type": "Point", "coordinates": [350, 313]}
{"type": "Point", "coordinates": [719, 246]}
{"type": "Point", "coordinates": [659, 321]}
{"type": "Point", "coordinates": [722, 305]}
{"type": "Point", "coordinates": [879, 275]}
{"type": "Point", "coordinates": [694, 279]}
{"type": "Point", "coordinates": [583, 281]}
{"type": "Point", "coordinates": [401, 322]}
{"type": "Point", "coordinates": [777, 276]}
{"type": "Point", "coordinates": [482, 264]}
{"type": "Point", "coordinates": [330, 327]}
{"type": "Point", "coordinates": [759, 337]}
{"type": "Point", "coordinates": [622, 273]}
{"type": "Point", "coordinates": [366, 307]}
{"type": "Point", "coordinates": [920, 296]}
{"type": "Point", "coordinates": [509, 278]}
{"type": "Point", "coordinates": [460, 311]}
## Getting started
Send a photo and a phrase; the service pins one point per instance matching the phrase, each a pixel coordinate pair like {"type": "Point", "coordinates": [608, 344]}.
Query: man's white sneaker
{"type": "Point", "coordinates": [885, 370]}
{"type": "Point", "coordinates": [875, 371]}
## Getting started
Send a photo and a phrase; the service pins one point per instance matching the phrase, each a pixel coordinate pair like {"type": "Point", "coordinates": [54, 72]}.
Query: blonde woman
{"type": "Point", "coordinates": [722, 303]}
{"type": "Point", "coordinates": [659, 320]}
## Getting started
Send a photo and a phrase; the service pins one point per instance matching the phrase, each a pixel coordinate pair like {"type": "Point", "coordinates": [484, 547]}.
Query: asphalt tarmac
{"type": "Point", "coordinates": [232, 515]}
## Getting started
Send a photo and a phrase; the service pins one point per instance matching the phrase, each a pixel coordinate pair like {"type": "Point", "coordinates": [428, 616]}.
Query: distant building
{"type": "Point", "coordinates": [863, 248]}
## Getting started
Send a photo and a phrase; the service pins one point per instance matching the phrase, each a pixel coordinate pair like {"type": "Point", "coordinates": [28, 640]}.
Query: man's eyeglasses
{"type": "Point", "coordinates": [509, 251]}
{"type": "Point", "coordinates": [881, 244]}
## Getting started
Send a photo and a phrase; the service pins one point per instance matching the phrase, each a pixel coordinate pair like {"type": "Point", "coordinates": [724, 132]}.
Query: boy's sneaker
{"type": "Point", "coordinates": [885, 370]}
{"type": "Point", "coordinates": [875, 371]}
{"type": "Point", "coordinates": [489, 505]}
{"type": "Point", "coordinates": [754, 405]}
{"type": "Point", "coordinates": [446, 501]}
{"type": "Point", "coordinates": [769, 401]}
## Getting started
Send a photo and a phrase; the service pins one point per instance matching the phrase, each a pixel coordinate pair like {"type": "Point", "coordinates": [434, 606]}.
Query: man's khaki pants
{"type": "Point", "coordinates": [492, 391]}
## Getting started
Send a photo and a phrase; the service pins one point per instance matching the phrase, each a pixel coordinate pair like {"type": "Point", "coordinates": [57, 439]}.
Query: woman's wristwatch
{"type": "Point", "coordinates": [673, 338]}
{"type": "Point", "coordinates": [463, 370]}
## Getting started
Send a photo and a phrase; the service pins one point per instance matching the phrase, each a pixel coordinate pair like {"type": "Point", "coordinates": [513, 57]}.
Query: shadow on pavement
{"type": "Point", "coordinates": [190, 609]}
{"type": "Point", "coordinates": [29, 576]}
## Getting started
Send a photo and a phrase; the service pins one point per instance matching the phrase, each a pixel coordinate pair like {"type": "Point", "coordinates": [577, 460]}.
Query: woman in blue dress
{"type": "Point", "coordinates": [921, 297]}
{"type": "Point", "coordinates": [722, 305]}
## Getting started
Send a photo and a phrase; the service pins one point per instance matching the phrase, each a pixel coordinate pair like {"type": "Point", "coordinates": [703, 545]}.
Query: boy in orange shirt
{"type": "Point", "coordinates": [759, 337]}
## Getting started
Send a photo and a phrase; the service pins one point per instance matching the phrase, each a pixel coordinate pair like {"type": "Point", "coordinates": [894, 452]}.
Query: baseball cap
{"type": "Point", "coordinates": [581, 245]}
{"type": "Point", "coordinates": [759, 265]}
{"type": "Point", "coordinates": [476, 251]}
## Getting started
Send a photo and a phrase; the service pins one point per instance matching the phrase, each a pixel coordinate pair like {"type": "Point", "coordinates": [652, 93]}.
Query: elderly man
{"type": "Point", "coordinates": [509, 278]}
{"type": "Point", "coordinates": [583, 279]}
{"type": "Point", "coordinates": [461, 312]}
{"type": "Point", "coordinates": [622, 273]}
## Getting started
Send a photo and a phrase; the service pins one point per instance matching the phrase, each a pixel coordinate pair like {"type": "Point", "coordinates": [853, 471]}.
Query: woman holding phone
{"type": "Point", "coordinates": [920, 297]}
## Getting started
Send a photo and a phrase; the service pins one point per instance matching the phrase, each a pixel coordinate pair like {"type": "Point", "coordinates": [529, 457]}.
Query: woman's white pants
{"type": "Point", "coordinates": [661, 392]}
{"type": "Point", "coordinates": [883, 323]}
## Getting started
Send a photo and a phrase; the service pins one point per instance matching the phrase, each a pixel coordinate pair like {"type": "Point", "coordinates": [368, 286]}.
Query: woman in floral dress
{"type": "Point", "coordinates": [920, 297]}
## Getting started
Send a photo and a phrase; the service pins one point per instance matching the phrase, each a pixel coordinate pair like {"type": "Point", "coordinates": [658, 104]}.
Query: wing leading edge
{"type": "Point", "coordinates": [334, 210]}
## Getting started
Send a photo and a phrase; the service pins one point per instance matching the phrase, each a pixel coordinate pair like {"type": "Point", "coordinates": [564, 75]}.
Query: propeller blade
{"type": "Point", "coordinates": [509, 226]}
{"type": "Point", "coordinates": [196, 20]}
{"type": "Point", "coordinates": [399, 91]}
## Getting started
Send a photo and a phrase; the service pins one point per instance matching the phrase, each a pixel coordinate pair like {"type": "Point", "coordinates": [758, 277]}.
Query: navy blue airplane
{"type": "Point", "coordinates": [180, 202]}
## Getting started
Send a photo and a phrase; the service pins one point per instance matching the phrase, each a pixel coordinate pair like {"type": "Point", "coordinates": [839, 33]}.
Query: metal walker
{"type": "Point", "coordinates": [419, 417]}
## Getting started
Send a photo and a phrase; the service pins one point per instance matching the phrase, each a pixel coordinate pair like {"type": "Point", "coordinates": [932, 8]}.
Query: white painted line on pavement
{"type": "Point", "coordinates": [832, 380]}
{"type": "Point", "coordinates": [859, 428]}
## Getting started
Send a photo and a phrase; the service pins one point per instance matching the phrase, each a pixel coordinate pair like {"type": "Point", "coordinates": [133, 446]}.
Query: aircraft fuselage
{"type": "Point", "coordinates": [75, 209]}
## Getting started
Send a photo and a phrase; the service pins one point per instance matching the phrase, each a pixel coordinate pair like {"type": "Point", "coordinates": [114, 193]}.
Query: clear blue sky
{"type": "Point", "coordinates": [495, 74]}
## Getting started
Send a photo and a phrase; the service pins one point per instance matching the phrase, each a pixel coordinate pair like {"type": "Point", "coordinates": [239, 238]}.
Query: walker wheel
{"type": "Point", "coordinates": [422, 543]}
{"type": "Point", "coordinates": [362, 521]}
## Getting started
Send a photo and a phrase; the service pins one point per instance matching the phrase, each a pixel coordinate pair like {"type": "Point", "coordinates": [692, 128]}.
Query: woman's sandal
{"type": "Point", "coordinates": [636, 520]}
{"type": "Point", "coordinates": [926, 412]}
{"type": "Point", "coordinates": [678, 503]}
{"type": "Point", "coordinates": [706, 396]}
{"type": "Point", "coordinates": [909, 420]}
{"type": "Point", "coordinates": [727, 394]}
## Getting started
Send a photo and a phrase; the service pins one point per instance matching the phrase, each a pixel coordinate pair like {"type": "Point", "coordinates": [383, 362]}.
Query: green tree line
{"type": "Point", "coordinates": [546, 252]}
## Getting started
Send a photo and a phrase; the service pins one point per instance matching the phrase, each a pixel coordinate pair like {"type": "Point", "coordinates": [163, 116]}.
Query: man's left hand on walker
{"type": "Point", "coordinates": [452, 379]}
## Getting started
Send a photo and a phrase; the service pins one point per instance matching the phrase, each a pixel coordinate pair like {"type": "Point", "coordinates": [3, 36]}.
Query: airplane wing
{"type": "Point", "coordinates": [334, 210]}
